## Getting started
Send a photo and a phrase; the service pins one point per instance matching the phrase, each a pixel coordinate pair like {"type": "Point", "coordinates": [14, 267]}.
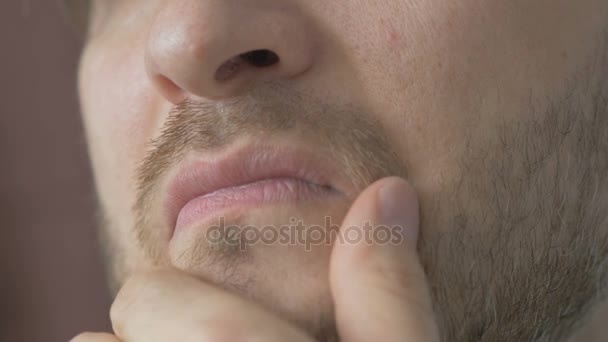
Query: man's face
{"type": "Point", "coordinates": [494, 110]}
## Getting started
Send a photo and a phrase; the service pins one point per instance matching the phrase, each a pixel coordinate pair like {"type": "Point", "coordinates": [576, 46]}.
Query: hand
{"type": "Point", "coordinates": [380, 290]}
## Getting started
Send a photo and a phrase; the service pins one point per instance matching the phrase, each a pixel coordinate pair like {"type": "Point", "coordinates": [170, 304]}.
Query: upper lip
{"type": "Point", "coordinates": [244, 165]}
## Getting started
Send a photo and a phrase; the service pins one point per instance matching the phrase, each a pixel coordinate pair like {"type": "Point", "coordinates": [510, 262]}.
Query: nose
{"type": "Point", "coordinates": [217, 48]}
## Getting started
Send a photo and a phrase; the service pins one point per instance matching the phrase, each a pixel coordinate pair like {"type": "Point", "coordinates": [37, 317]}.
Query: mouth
{"type": "Point", "coordinates": [247, 177]}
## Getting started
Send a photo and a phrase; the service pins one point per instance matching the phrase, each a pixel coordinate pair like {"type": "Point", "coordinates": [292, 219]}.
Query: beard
{"type": "Point", "coordinates": [522, 253]}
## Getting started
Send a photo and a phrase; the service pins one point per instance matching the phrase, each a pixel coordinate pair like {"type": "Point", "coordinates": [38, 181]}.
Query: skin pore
{"type": "Point", "coordinates": [495, 111]}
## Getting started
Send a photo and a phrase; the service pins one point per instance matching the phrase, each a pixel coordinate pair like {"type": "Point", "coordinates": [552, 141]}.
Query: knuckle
{"type": "Point", "coordinates": [136, 293]}
{"type": "Point", "coordinates": [220, 330]}
{"type": "Point", "coordinates": [93, 337]}
{"type": "Point", "coordinates": [239, 327]}
{"type": "Point", "coordinates": [400, 280]}
{"type": "Point", "coordinates": [83, 337]}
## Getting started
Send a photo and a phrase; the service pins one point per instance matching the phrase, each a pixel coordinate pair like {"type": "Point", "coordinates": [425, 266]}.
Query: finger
{"type": "Point", "coordinates": [169, 305]}
{"type": "Point", "coordinates": [95, 337]}
{"type": "Point", "coordinates": [380, 289]}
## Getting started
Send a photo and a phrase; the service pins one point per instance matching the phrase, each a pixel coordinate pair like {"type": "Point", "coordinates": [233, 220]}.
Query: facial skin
{"type": "Point", "coordinates": [494, 110]}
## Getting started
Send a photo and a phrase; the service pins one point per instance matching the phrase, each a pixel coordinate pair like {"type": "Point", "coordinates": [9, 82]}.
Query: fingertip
{"type": "Point", "coordinates": [399, 208]}
{"type": "Point", "coordinates": [384, 218]}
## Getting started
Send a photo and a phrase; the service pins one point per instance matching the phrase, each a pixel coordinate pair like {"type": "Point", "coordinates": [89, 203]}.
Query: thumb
{"type": "Point", "coordinates": [379, 287]}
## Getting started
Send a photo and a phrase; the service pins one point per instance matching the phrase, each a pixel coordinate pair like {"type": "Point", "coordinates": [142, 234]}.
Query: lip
{"type": "Point", "coordinates": [245, 177]}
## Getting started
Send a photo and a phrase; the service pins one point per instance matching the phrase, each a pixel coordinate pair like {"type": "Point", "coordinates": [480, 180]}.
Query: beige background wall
{"type": "Point", "coordinates": [51, 280]}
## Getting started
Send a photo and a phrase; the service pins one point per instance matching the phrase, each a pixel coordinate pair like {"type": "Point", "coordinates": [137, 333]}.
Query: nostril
{"type": "Point", "coordinates": [256, 58]}
{"type": "Point", "coordinates": [260, 58]}
{"type": "Point", "coordinates": [228, 69]}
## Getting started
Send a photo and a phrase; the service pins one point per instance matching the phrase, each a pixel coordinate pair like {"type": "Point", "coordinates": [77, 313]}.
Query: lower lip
{"type": "Point", "coordinates": [268, 191]}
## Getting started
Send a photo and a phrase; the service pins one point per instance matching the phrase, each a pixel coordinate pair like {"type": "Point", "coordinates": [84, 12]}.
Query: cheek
{"type": "Point", "coordinates": [120, 112]}
{"type": "Point", "coordinates": [413, 82]}
{"type": "Point", "coordinates": [440, 73]}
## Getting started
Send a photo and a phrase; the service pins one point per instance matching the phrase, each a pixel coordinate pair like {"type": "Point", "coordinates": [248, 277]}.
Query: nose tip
{"type": "Point", "coordinates": [218, 49]}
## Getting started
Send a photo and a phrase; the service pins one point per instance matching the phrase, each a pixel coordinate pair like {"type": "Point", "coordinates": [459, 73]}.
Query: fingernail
{"type": "Point", "coordinates": [399, 208]}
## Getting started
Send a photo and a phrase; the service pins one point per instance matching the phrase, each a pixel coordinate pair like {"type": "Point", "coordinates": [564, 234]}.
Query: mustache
{"type": "Point", "coordinates": [353, 139]}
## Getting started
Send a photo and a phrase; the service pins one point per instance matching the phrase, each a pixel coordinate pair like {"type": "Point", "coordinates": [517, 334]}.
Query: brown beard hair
{"type": "Point", "coordinates": [525, 254]}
